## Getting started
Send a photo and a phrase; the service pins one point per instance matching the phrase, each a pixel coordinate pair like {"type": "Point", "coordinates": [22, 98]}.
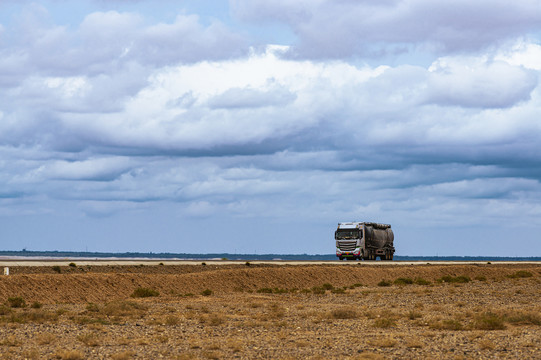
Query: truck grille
{"type": "Point", "coordinates": [347, 245]}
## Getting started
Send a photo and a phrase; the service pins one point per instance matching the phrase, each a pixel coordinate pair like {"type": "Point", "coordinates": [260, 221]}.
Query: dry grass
{"type": "Point", "coordinates": [486, 344]}
{"type": "Point", "coordinates": [69, 354]}
{"type": "Point", "coordinates": [344, 313]}
{"type": "Point", "coordinates": [123, 355]}
{"type": "Point", "coordinates": [90, 339]}
{"type": "Point", "coordinates": [45, 338]}
{"type": "Point", "coordinates": [382, 342]}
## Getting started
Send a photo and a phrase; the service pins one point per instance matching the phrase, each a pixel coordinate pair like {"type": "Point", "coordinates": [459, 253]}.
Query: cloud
{"type": "Point", "coordinates": [486, 85]}
{"type": "Point", "coordinates": [252, 98]}
{"type": "Point", "coordinates": [153, 123]}
{"type": "Point", "coordinates": [104, 169]}
{"type": "Point", "coordinates": [334, 29]}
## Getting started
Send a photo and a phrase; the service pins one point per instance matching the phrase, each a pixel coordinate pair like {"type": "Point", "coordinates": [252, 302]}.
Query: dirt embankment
{"type": "Point", "coordinates": [102, 284]}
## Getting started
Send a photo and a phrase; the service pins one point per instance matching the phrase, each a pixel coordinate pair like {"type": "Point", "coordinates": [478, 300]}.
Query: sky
{"type": "Point", "coordinates": [252, 126]}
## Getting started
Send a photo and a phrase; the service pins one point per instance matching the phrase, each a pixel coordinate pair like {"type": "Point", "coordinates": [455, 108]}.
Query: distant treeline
{"type": "Point", "coordinates": [152, 255]}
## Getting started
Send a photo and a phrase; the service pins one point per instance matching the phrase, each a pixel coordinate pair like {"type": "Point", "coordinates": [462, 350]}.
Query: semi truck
{"type": "Point", "coordinates": [364, 240]}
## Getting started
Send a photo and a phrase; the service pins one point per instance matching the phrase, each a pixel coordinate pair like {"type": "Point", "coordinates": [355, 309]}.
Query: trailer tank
{"type": "Point", "coordinates": [364, 240]}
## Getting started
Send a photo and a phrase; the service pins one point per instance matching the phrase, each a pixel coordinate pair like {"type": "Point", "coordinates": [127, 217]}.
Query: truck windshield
{"type": "Point", "coordinates": [348, 234]}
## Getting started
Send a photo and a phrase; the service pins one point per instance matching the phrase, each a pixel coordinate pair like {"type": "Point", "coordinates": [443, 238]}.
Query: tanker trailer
{"type": "Point", "coordinates": [364, 240]}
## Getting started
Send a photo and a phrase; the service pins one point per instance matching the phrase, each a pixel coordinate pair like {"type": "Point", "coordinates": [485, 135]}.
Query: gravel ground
{"type": "Point", "coordinates": [489, 317]}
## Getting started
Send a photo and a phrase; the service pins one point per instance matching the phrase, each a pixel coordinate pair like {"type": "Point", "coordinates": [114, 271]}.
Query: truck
{"type": "Point", "coordinates": [364, 240]}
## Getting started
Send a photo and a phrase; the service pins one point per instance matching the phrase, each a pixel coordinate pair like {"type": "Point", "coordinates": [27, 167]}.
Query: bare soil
{"type": "Point", "coordinates": [266, 311]}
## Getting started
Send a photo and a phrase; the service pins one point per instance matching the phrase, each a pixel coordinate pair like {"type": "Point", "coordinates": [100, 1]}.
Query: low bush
{"type": "Point", "coordinates": [57, 269]}
{"type": "Point", "coordinates": [327, 286]}
{"type": "Point", "coordinates": [488, 321]}
{"type": "Point", "coordinates": [384, 283]}
{"type": "Point", "coordinates": [318, 290]}
{"type": "Point", "coordinates": [206, 292]}
{"type": "Point", "coordinates": [123, 308]}
{"type": "Point", "coordinates": [403, 281]}
{"type": "Point", "coordinates": [480, 278]}
{"type": "Point", "coordinates": [520, 274]}
{"type": "Point", "coordinates": [265, 291]}
{"type": "Point", "coordinates": [451, 324]}
{"type": "Point", "coordinates": [72, 264]}
{"type": "Point", "coordinates": [344, 313]}
{"type": "Point", "coordinates": [454, 279]}
{"type": "Point", "coordinates": [421, 281]}
{"type": "Point", "coordinates": [4, 310]}
{"type": "Point", "coordinates": [523, 318]}
{"type": "Point", "coordinates": [384, 323]}
{"type": "Point", "coordinates": [144, 292]}
{"type": "Point", "coordinates": [16, 302]}
{"type": "Point", "coordinates": [412, 315]}
{"type": "Point", "coordinates": [89, 339]}
{"type": "Point", "coordinates": [36, 305]}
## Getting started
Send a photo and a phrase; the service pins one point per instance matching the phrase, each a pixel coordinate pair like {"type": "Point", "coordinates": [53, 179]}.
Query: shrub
{"type": "Point", "coordinates": [57, 269]}
{"type": "Point", "coordinates": [36, 305]}
{"type": "Point", "coordinates": [387, 342]}
{"type": "Point", "coordinates": [523, 318]}
{"type": "Point", "coordinates": [265, 291]}
{"type": "Point", "coordinates": [403, 281]}
{"type": "Point", "coordinates": [421, 281]}
{"type": "Point", "coordinates": [72, 264]}
{"type": "Point", "coordinates": [327, 286]}
{"type": "Point", "coordinates": [144, 292]}
{"type": "Point", "coordinates": [384, 283]}
{"type": "Point", "coordinates": [456, 279]}
{"type": "Point", "coordinates": [172, 320]}
{"type": "Point", "coordinates": [318, 290]}
{"type": "Point", "coordinates": [123, 308]}
{"type": "Point", "coordinates": [92, 307]}
{"type": "Point", "coordinates": [481, 278]}
{"type": "Point", "coordinates": [213, 319]}
{"type": "Point", "coordinates": [338, 291]}
{"type": "Point", "coordinates": [123, 355]}
{"type": "Point", "coordinates": [451, 324]}
{"type": "Point", "coordinates": [488, 321]}
{"type": "Point", "coordinates": [89, 339]}
{"type": "Point", "coordinates": [384, 323]}
{"type": "Point", "coordinates": [204, 264]}
{"type": "Point", "coordinates": [4, 310]}
{"type": "Point", "coordinates": [520, 274]}
{"type": "Point", "coordinates": [247, 263]}
{"type": "Point", "coordinates": [344, 313]}
{"type": "Point", "coordinates": [16, 302]}
{"type": "Point", "coordinates": [412, 315]}
{"type": "Point", "coordinates": [40, 316]}
{"type": "Point", "coordinates": [69, 355]}
{"type": "Point", "coordinates": [206, 292]}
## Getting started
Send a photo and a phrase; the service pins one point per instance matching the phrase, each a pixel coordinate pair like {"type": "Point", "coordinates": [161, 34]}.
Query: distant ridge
{"type": "Point", "coordinates": [152, 255]}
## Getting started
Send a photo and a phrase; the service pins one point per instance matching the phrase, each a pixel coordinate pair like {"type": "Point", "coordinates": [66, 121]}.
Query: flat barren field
{"type": "Point", "coordinates": [249, 311]}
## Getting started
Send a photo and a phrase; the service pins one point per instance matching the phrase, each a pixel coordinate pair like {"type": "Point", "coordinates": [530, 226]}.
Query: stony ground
{"type": "Point", "coordinates": [270, 312]}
